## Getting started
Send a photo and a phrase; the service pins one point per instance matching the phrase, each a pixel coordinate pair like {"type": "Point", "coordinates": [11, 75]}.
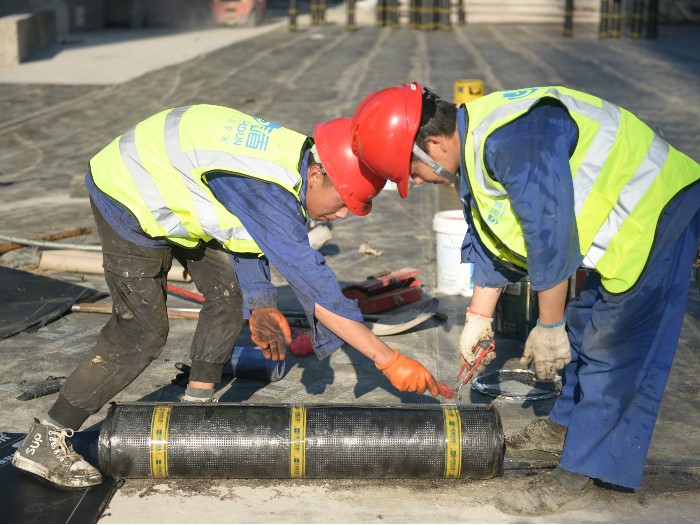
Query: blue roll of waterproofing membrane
{"type": "Point", "coordinates": [250, 363]}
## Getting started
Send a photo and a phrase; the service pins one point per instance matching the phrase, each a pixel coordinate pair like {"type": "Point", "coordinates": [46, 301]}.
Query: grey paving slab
{"type": "Point", "coordinates": [48, 133]}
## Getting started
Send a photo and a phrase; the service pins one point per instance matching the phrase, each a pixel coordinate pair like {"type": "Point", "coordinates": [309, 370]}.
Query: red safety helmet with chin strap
{"type": "Point", "coordinates": [356, 184]}
{"type": "Point", "coordinates": [384, 128]}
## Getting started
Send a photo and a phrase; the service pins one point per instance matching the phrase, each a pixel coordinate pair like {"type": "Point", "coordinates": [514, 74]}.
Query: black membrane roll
{"type": "Point", "coordinates": [324, 441]}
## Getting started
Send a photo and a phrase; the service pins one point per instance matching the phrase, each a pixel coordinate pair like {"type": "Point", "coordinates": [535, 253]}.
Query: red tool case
{"type": "Point", "coordinates": [385, 292]}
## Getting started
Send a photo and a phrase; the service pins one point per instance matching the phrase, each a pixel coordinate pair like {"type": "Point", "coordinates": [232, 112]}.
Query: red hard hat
{"type": "Point", "coordinates": [384, 129]}
{"type": "Point", "coordinates": [356, 184]}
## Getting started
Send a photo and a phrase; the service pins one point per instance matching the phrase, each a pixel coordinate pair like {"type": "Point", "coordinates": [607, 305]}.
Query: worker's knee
{"type": "Point", "coordinates": [225, 297]}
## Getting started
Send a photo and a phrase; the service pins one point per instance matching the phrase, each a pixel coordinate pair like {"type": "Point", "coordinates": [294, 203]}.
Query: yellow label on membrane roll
{"type": "Point", "coordinates": [297, 442]}
{"type": "Point", "coordinates": [453, 442]}
{"type": "Point", "coordinates": [158, 443]}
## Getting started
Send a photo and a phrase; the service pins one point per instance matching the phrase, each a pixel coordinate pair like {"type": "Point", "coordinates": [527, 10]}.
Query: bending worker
{"type": "Point", "coordinates": [201, 183]}
{"type": "Point", "coordinates": [556, 182]}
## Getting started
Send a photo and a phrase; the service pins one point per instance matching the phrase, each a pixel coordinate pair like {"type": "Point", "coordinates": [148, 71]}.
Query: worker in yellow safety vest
{"type": "Point", "coordinates": [227, 194]}
{"type": "Point", "coordinates": [557, 183]}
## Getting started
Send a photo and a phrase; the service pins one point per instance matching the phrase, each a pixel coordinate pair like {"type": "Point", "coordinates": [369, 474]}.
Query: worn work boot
{"type": "Point", "coordinates": [46, 453]}
{"type": "Point", "coordinates": [542, 434]}
{"type": "Point", "coordinates": [548, 493]}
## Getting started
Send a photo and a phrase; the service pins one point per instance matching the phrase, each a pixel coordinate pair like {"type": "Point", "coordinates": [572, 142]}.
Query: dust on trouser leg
{"type": "Point", "coordinates": [221, 317]}
{"type": "Point", "coordinates": [547, 493]}
{"type": "Point", "coordinates": [541, 434]}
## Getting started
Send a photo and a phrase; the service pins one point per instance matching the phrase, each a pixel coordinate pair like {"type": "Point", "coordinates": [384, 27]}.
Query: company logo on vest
{"type": "Point", "coordinates": [518, 93]}
{"type": "Point", "coordinates": [497, 212]}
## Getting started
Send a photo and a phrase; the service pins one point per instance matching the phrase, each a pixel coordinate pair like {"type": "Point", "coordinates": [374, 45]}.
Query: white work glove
{"type": "Point", "coordinates": [476, 328]}
{"type": "Point", "coordinates": [549, 347]}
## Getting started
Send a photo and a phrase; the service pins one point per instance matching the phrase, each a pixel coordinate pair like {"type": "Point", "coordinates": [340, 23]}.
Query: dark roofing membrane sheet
{"type": "Point", "coordinates": [29, 301]}
{"type": "Point", "coordinates": [25, 499]}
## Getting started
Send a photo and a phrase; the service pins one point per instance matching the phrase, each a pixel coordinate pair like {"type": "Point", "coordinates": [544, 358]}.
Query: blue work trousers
{"type": "Point", "coordinates": [622, 348]}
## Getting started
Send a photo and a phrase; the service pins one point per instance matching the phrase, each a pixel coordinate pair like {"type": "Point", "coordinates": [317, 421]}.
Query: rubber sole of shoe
{"type": "Point", "coordinates": [40, 471]}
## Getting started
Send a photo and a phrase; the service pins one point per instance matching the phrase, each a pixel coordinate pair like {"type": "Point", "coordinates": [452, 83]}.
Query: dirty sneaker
{"type": "Point", "coordinates": [542, 434]}
{"type": "Point", "coordinates": [546, 494]}
{"type": "Point", "coordinates": [46, 453]}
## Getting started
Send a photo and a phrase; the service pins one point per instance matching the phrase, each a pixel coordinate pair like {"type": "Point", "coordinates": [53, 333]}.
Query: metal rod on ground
{"type": "Point", "coordinates": [50, 237]}
{"type": "Point", "coordinates": [653, 19]}
{"type": "Point", "coordinates": [569, 18]}
{"type": "Point", "coordinates": [637, 15]}
{"type": "Point", "coordinates": [379, 324]}
{"type": "Point", "coordinates": [293, 12]}
{"type": "Point", "coordinates": [186, 294]}
{"type": "Point", "coordinates": [604, 19]}
{"type": "Point", "coordinates": [350, 25]}
{"type": "Point", "coordinates": [173, 313]}
{"type": "Point", "coordinates": [49, 244]}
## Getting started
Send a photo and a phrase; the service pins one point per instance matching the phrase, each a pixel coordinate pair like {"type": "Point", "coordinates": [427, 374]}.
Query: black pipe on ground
{"type": "Point", "coordinates": [232, 440]}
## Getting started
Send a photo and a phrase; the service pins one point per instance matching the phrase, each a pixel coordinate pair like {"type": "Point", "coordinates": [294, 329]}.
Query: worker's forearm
{"type": "Point", "coordinates": [552, 302]}
{"type": "Point", "coordinates": [484, 300]}
{"type": "Point", "coordinates": [355, 334]}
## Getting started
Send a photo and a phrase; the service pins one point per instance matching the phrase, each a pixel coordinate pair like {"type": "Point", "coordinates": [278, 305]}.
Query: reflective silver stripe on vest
{"type": "Point", "coordinates": [206, 213]}
{"type": "Point", "coordinates": [186, 163]}
{"type": "Point", "coordinates": [147, 187]}
{"type": "Point", "coordinates": [608, 116]}
{"type": "Point", "coordinates": [631, 194]}
{"type": "Point", "coordinates": [609, 119]}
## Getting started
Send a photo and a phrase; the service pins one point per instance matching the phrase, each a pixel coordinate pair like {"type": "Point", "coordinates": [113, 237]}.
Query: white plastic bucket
{"type": "Point", "coordinates": [453, 277]}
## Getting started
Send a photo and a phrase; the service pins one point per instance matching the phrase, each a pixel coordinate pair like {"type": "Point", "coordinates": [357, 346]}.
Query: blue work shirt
{"type": "Point", "coordinates": [275, 221]}
{"type": "Point", "coordinates": [530, 158]}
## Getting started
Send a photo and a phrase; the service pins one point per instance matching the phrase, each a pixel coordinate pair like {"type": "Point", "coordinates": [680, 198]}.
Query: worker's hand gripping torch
{"type": "Point", "coordinates": [482, 349]}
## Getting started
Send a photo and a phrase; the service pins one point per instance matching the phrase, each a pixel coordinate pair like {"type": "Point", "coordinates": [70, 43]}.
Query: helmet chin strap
{"type": "Point", "coordinates": [433, 164]}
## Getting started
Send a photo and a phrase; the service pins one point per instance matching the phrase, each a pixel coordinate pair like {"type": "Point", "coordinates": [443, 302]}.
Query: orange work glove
{"type": "Point", "coordinates": [408, 375]}
{"type": "Point", "coordinates": [270, 331]}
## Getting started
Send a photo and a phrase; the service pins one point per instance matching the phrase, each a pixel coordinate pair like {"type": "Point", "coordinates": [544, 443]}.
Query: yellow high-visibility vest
{"type": "Point", "coordinates": [624, 175]}
{"type": "Point", "coordinates": [158, 170]}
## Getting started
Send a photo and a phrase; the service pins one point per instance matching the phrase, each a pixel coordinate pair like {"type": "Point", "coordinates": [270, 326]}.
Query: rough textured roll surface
{"type": "Point", "coordinates": [231, 440]}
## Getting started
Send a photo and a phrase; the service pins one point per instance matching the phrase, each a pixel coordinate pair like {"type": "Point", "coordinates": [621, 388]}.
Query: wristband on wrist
{"type": "Point", "coordinates": [470, 311]}
{"type": "Point", "coordinates": [563, 321]}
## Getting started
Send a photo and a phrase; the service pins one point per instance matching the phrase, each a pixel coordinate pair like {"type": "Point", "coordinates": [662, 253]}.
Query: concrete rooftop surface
{"type": "Point", "coordinates": [61, 108]}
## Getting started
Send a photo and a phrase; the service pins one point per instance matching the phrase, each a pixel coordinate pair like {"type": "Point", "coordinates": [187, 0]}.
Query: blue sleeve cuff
{"type": "Point", "coordinates": [488, 272]}
{"type": "Point", "coordinates": [253, 275]}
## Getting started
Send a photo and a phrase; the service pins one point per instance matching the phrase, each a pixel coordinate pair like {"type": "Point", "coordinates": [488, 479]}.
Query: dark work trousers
{"type": "Point", "coordinates": [622, 348]}
{"type": "Point", "coordinates": [137, 330]}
